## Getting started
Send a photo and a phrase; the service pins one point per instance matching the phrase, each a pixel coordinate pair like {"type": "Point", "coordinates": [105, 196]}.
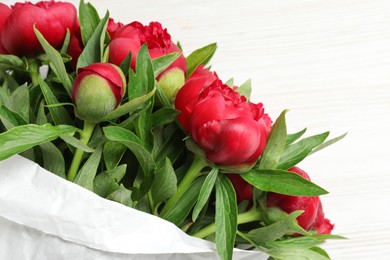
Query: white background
{"type": "Point", "coordinates": [328, 62]}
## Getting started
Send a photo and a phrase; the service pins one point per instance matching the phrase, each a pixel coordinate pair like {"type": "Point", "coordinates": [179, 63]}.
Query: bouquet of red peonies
{"type": "Point", "coordinates": [120, 110]}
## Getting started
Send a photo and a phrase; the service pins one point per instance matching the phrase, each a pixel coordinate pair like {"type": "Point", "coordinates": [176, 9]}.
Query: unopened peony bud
{"type": "Point", "coordinates": [171, 82]}
{"type": "Point", "coordinates": [97, 90]}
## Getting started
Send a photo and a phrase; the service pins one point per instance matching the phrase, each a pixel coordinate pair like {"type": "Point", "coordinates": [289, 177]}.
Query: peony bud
{"type": "Point", "coordinates": [171, 82]}
{"type": "Point", "coordinates": [97, 90]}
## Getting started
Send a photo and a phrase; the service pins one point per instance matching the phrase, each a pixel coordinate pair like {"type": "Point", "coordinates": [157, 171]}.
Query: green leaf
{"type": "Point", "coordinates": [293, 137]}
{"type": "Point", "coordinates": [274, 231]}
{"type": "Point", "coordinates": [88, 172]}
{"type": "Point", "coordinates": [122, 195]}
{"type": "Point", "coordinates": [205, 192]}
{"type": "Point", "coordinates": [76, 143]}
{"type": "Point", "coordinates": [225, 217]}
{"type": "Point", "coordinates": [12, 62]}
{"type": "Point", "coordinates": [200, 56]}
{"type": "Point", "coordinates": [89, 20]}
{"type": "Point", "coordinates": [162, 63]}
{"type": "Point", "coordinates": [41, 115]}
{"type": "Point", "coordinates": [103, 185]}
{"type": "Point", "coordinates": [328, 143]}
{"type": "Point", "coordinates": [128, 107]}
{"type": "Point", "coordinates": [58, 113]}
{"type": "Point", "coordinates": [65, 45]}
{"type": "Point", "coordinates": [53, 160]}
{"type": "Point", "coordinates": [125, 64]}
{"type": "Point", "coordinates": [296, 152]}
{"type": "Point", "coordinates": [302, 241]}
{"type": "Point", "coordinates": [131, 141]}
{"type": "Point", "coordinates": [107, 182]}
{"type": "Point", "coordinates": [295, 254]}
{"type": "Point", "coordinates": [19, 102]}
{"type": "Point", "coordinates": [282, 182]}
{"type": "Point", "coordinates": [112, 154]}
{"type": "Point", "coordinates": [10, 119]}
{"type": "Point", "coordinates": [179, 212]}
{"type": "Point", "coordinates": [164, 184]}
{"type": "Point", "coordinates": [22, 138]}
{"type": "Point", "coordinates": [245, 89]}
{"type": "Point", "coordinates": [142, 81]}
{"type": "Point", "coordinates": [164, 116]}
{"type": "Point", "coordinates": [275, 144]}
{"type": "Point", "coordinates": [162, 98]}
{"type": "Point", "coordinates": [94, 48]}
{"type": "Point", "coordinates": [56, 61]}
{"type": "Point", "coordinates": [230, 82]}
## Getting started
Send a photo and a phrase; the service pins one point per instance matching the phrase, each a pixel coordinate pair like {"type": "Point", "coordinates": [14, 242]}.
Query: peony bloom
{"type": "Point", "coordinates": [51, 18]}
{"type": "Point", "coordinates": [231, 131]}
{"type": "Point", "coordinates": [97, 90]}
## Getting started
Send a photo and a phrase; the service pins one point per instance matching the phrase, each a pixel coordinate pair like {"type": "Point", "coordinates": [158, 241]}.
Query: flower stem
{"type": "Point", "coordinates": [193, 172]}
{"type": "Point", "coordinates": [252, 215]}
{"type": "Point", "coordinates": [85, 135]}
{"type": "Point", "coordinates": [34, 72]}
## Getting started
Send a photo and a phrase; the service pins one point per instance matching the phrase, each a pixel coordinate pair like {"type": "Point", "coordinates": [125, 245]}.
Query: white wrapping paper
{"type": "Point", "coordinates": [45, 217]}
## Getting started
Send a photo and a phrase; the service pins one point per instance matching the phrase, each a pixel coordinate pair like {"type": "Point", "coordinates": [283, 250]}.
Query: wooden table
{"type": "Point", "coordinates": [328, 62]}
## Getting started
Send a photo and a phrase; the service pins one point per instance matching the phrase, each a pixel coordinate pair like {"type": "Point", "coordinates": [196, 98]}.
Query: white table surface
{"type": "Point", "coordinates": [328, 61]}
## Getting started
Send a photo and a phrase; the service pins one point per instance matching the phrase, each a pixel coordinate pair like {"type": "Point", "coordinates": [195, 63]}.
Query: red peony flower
{"type": "Point", "coordinates": [230, 130]}
{"type": "Point", "coordinates": [51, 18]}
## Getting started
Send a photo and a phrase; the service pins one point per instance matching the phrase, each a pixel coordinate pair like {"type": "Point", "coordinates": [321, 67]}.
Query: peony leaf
{"type": "Point", "coordinates": [128, 107]}
{"type": "Point", "coordinates": [275, 144]}
{"type": "Point", "coordinates": [163, 62]}
{"type": "Point", "coordinates": [87, 173]}
{"type": "Point", "coordinates": [89, 20]}
{"type": "Point", "coordinates": [327, 143]}
{"type": "Point", "coordinates": [225, 217]}
{"type": "Point", "coordinates": [58, 113]}
{"type": "Point", "coordinates": [22, 138]}
{"type": "Point", "coordinates": [11, 119]}
{"type": "Point", "coordinates": [132, 142]}
{"type": "Point", "coordinates": [164, 184]}
{"type": "Point", "coordinates": [122, 195]}
{"type": "Point", "coordinates": [296, 152]}
{"type": "Point", "coordinates": [56, 62]}
{"type": "Point", "coordinates": [94, 48]}
{"type": "Point", "coordinates": [295, 253]}
{"type": "Point", "coordinates": [19, 102]}
{"type": "Point", "coordinates": [282, 182]}
{"type": "Point", "coordinates": [12, 62]}
{"type": "Point", "coordinates": [302, 241]}
{"type": "Point", "coordinates": [53, 160]}
{"type": "Point", "coordinates": [107, 182]}
{"type": "Point", "coordinates": [245, 89]}
{"type": "Point", "coordinates": [200, 56]}
{"type": "Point", "coordinates": [76, 143]}
{"type": "Point", "coordinates": [274, 231]}
{"type": "Point", "coordinates": [179, 212]}
{"type": "Point", "coordinates": [295, 136]}
{"type": "Point", "coordinates": [164, 116]}
{"type": "Point", "coordinates": [112, 154]}
{"type": "Point", "coordinates": [205, 192]}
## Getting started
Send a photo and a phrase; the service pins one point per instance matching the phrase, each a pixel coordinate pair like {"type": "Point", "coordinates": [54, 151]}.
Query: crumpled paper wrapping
{"type": "Point", "coordinates": [45, 217]}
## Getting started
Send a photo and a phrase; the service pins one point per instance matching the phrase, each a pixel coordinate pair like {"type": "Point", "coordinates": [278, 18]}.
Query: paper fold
{"type": "Point", "coordinates": [56, 219]}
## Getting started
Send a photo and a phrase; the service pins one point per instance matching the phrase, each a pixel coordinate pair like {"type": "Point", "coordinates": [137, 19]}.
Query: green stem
{"type": "Point", "coordinates": [252, 215]}
{"type": "Point", "coordinates": [34, 72]}
{"type": "Point", "coordinates": [193, 172]}
{"type": "Point", "coordinates": [85, 135]}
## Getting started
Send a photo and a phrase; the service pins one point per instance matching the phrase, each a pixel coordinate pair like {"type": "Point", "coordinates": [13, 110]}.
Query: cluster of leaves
{"type": "Point", "coordinates": [137, 155]}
